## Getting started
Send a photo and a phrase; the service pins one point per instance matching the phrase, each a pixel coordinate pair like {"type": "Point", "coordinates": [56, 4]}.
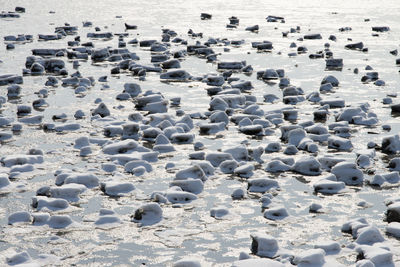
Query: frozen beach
{"type": "Point", "coordinates": [207, 133]}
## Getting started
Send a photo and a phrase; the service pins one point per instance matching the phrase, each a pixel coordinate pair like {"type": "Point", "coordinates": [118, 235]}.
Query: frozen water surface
{"type": "Point", "coordinates": [110, 217]}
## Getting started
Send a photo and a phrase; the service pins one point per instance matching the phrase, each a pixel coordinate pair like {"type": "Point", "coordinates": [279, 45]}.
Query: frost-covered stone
{"type": "Point", "coordinates": [311, 257]}
{"type": "Point", "coordinates": [339, 143]}
{"type": "Point", "coordinates": [212, 128]}
{"type": "Point", "coordinates": [393, 212]}
{"type": "Point", "coordinates": [326, 186]}
{"type": "Point", "coordinates": [357, 115]}
{"type": "Point", "coordinates": [307, 166]}
{"type": "Point", "coordinates": [132, 164]}
{"type": "Point", "coordinates": [330, 79]}
{"type": "Point", "coordinates": [12, 160]}
{"type": "Point", "coordinates": [195, 172]}
{"type": "Point", "coordinates": [295, 136]}
{"type": "Point", "coordinates": [393, 229]}
{"type": "Point", "coordinates": [181, 197]}
{"type": "Point", "coordinates": [270, 98]}
{"type": "Point", "coordinates": [228, 166]}
{"type": "Point", "coordinates": [261, 185]}
{"type": "Point", "coordinates": [69, 192]}
{"type": "Point", "coordinates": [88, 180]}
{"type": "Point", "coordinates": [19, 217]}
{"type": "Point", "coordinates": [191, 185]}
{"type": "Point", "coordinates": [65, 127]}
{"type": "Point", "coordinates": [380, 179]}
{"type": "Point", "coordinates": [327, 162]}
{"type": "Point", "coordinates": [348, 173]}
{"type": "Point", "coordinates": [175, 75]}
{"type": "Point", "coordinates": [101, 110]}
{"type": "Point", "coordinates": [81, 142]}
{"type": "Point", "coordinates": [216, 158]}
{"type": "Point", "coordinates": [239, 153]}
{"type": "Point", "coordinates": [22, 168]}
{"type": "Point", "coordinates": [59, 221]}
{"type": "Point", "coordinates": [219, 212]}
{"type": "Point", "coordinates": [116, 188]}
{"type": "Point", "coordinates": [252, 130]}
{"type": "Point", "coordinates": [276, 213]}
{"type": "Point", "coordinates": [238, 194]}
{"type": "Point", "coordinates": [120, 147]}
{"type": "Point", "coordinates": [369, 235]}
{"type": "Point", "coordinates": [41, 202]}
{"type": "Point", "coordinates": [377, 255]}
{"type": "Point", "coordinates": [391, 144]}
{"type": "Point", "coordinates": [334, 63]}
{"type": "Point", "coordinates": [264, 245]}
{"type": "Point", "coordinates": [315, 208]}
{"type": "Point", "coordinates": [270, 74]}
{"type": "Point", "coordinates": [352, 226]}
{"type": "Point", "coordinates": [182, 138]}
{"type": "Point", "coordinates": [330, 247]}
{"type": "Point", "coordinates": [273, 147]}
{"type": "Point", "coordinates": [244, 171]}
{"type": "Point", "coordinates": [277, 166]}
{"type": "Point", "coordinates": [148, 214]}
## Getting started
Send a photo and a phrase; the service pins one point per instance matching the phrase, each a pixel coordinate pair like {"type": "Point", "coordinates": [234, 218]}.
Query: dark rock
{"type": "Point", "coordinates": [302, 50]}
{"type": "Point", "coordinates": [314, 36]}
{"type": "Point", "coordinates": [20, 9]}
{"type": "Point", "coordinates": [355, 46]}
{"type": "Point", "coordinates": [334, 63]}
{"type": "Point", "coordinates": [205, 16]}
{"type": "Point", "coordinates": [147, 43]}
{"type": "Point", "coordinates": [10, 78]}
{"type": "Point", "coordinates": [100, 35]}
{"type": "Point", "coordinates": [272, 18]}
{"type": "Point", "coordinates": [332, 38]}
{"type": "Point", "coordinates": [345, 29]}
{"type": "Point", "coordinates": [393, 213]}
{"type": "Point", "coordinates": [380, 29]}
{"type": "Point", "coordinates": [233, 20]}
{"type": "Point", "coordinates": [130, 26]}
{"type": "Point", "coordinates": [253, 28]}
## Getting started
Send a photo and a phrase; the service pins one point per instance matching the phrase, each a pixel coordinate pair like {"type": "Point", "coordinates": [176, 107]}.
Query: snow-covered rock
{"type": "Point", "coordinates": [326, 186]}
{"type": "Point", "coordinates": [369, 235]}
{"type": "Point", "coordinates": [393, 229]}
{"type": "Point", "coordinates": [264, 245]}
{"type": "Point", "coordinates": [348, 173]}
{"type": "Point", "coordinates": [148, 214]}
{"type": "Point", "coordinates": [276, 213]}
{"type": "Point", "coordinates": [116, 188]}
{"type": "Point", "coordinates": [19, 217]}
{"type": "Point", "coordinates": [307, 166]}
{"type": "Point", "coordinates": [190, 185]}
{"type": "Point", "coordinates": [59, 221]}
{"type": "Point", "coordinates": [261, 185]}
{"type": "Point", "coordinates": [379, 256]}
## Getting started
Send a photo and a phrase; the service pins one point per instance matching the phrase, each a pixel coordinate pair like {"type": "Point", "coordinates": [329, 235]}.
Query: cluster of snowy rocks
{"type": "Point", "coordinates": [158, 128]}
